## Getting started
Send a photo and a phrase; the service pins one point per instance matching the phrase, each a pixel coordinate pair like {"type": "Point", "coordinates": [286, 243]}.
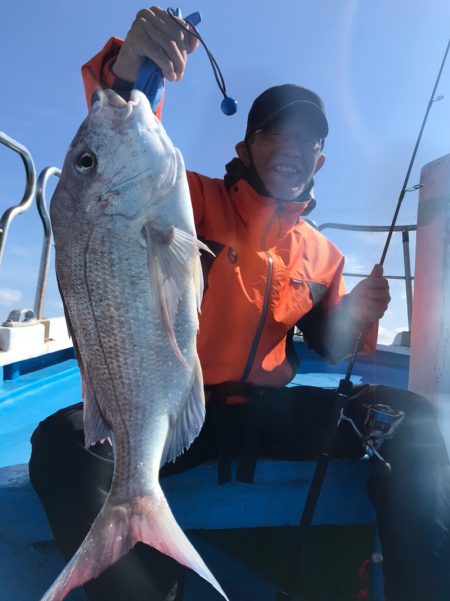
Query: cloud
{"type": "Point", "coordinates": [9, 296]}
{"type": "Point", "coordinates": [372, 239]}
{"type": "Point", "coordinates": [353, 264]}
{"type": "Point", "coordinates": [387, 335]}
{"type": "Point", "coordinates": [22, 251]}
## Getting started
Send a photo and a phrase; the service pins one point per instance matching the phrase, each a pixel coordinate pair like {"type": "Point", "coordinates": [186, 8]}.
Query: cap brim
{"type": "Point", "coordinates": [312, 112]}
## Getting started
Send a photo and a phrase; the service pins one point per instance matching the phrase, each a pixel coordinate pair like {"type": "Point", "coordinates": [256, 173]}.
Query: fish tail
{"type": "Point", "coordinates": [117, 528]}
{"type": "Point", "coordinates": [154, 524]}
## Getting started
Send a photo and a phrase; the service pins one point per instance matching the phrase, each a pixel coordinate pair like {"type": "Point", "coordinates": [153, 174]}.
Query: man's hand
{"type": "Point", "coordinates": [369, 299]}
{"type": "Point", "coordinates": [155, 35]}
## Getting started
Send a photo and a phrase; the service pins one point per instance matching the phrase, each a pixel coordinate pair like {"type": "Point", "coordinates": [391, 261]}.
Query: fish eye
{"type": "Point", "coordinates": [85, 161]}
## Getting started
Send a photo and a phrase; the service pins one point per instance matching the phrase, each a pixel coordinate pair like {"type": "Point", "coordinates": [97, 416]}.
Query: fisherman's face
{"type": "Point", "coordinates": [286, 154]}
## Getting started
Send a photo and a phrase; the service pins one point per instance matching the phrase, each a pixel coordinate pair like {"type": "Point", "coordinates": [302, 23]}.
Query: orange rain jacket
{"type": "Point", "coordinates": [272, 271]}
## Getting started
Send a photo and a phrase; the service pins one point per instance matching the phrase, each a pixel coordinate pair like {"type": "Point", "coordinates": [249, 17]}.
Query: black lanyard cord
{"type": "Point", "coordinates": [192, 30]}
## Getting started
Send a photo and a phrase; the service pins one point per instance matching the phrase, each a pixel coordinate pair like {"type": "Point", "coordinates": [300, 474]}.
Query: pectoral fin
{"type": "Point", "coordinates": [172, 261]}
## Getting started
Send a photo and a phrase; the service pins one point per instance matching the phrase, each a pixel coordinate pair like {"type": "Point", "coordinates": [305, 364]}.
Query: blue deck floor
{"type": "Point", "coordinates": [26, 401]}
{"type": "Point", "coordinates": [27, 540]}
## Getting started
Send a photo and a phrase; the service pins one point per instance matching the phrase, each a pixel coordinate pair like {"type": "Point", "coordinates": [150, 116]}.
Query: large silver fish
{"type": "Point", "coordinates": [127, 262]}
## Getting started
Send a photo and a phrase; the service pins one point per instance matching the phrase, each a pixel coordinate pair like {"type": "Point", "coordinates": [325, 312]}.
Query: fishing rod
{"type": "Point", "coordinates": [403, 191]}
{"type": "Point", "coordinates": [381, 420]}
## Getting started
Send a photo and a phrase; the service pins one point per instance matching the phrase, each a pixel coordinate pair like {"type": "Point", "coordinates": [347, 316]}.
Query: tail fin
{"type": "Point", "coordinates": [116, 530]}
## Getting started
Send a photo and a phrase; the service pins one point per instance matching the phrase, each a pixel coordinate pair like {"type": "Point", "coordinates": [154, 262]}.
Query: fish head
{"type": "Point", "coordinates": [120, 160]}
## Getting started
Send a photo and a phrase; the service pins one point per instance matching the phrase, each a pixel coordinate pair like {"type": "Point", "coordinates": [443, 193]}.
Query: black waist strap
{"type": "Point", "coordinates": [221, 412]}
{"type": "Point", "coordinates": [252, 436]}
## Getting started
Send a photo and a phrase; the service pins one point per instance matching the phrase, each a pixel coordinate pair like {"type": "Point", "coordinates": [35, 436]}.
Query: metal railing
{"type": "Point", "coordinates": [28, 195]}
{"type": "Point", "coordinates": [46, 245]}
{"type": "Point", "coordinates": [32, 189]}
{"type": "Point", "coordinates": [405, 229]}
{"type": "Point", "coordinates": [38, 189]}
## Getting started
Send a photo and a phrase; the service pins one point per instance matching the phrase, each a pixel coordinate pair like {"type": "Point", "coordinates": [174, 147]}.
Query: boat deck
{"type": "Point", "coordinates": [229, 513]}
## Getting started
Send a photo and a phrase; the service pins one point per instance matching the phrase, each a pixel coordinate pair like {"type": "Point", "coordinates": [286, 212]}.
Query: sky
{"type": "Point", "coordinates": [374, 63]}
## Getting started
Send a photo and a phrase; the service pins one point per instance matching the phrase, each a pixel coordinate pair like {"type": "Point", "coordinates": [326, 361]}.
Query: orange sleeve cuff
{"type": "Point", "coordinates": [197, 192]}
{"type": "Point", "coordinates": [97, 73]}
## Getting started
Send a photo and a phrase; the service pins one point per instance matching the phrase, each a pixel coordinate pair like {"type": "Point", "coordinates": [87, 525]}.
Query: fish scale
{"type": "Point", "coordinates": [128, 267]}
{"type": "Point", "coordinates": [70, 267]}
{"type": "Point", "coordinates": [119, 343]}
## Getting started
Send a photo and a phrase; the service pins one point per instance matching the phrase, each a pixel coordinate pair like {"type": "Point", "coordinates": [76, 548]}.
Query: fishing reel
{"type": "Point", "coordinates": [380, 424]}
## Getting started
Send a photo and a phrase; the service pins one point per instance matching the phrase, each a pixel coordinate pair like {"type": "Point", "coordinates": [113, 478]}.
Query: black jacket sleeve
{"type": "Point", "coordinates": [331, 333]}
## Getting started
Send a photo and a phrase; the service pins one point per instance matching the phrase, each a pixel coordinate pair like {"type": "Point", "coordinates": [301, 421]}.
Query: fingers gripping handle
{"type": "Point", "coordinates": [150, 79]}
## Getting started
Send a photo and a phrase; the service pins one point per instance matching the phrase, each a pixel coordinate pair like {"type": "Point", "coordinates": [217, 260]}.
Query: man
{"type": "Point", "coordinates": [272, 271]}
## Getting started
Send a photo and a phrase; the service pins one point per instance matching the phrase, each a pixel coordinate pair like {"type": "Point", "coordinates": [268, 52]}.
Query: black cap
{"type": "Point", "coordinates": [288, 97]}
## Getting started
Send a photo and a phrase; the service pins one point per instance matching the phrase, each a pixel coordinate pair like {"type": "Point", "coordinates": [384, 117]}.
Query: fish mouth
{"type": "Point", "coordinates": [110, 98]}
{"type": "Point", "coordinates": [113, 99]}
{"type": "Point", "coordinates": [136, 97]}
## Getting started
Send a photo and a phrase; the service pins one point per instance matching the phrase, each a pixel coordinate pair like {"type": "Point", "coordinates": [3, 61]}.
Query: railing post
{"type": "Point", "coordinates": [408, 280]}
{"type": "Point", "coordinates": [30, 186]}
{"type": "Point", "coordinates": [405, 229]}
{"type": "Point", "coordinates": [46, 245]}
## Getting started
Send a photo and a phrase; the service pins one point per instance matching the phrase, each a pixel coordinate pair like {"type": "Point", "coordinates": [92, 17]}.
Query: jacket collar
{"type": "Point", "coordinates": [257, 209]}
{"type": "Point", "coordinates": [236, 170]}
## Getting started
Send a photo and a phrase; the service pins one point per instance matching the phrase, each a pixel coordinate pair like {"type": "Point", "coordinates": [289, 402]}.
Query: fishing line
{"type": "Point", "coordinates": [399, 203]}
{"type": "Point", "coordinates": [378, 415]}
{"type": "Point", "coordinates": [413, 157]}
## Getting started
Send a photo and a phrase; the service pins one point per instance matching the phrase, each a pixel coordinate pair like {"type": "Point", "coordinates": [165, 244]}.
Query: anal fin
{"type": "Point", "coordinates": [95, 426]}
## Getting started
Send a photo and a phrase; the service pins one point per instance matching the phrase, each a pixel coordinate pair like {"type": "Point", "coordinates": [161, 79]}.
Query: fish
{"type": "Point", "coordinates": [128, 267]}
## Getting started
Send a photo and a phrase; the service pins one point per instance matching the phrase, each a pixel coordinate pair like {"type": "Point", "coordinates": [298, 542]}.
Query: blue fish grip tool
{"type": "Point", "coordinates": [150, 79]}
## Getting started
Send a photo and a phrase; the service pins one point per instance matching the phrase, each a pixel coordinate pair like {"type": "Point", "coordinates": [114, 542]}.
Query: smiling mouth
{"type": "Point", "coordinates": [286, 169]}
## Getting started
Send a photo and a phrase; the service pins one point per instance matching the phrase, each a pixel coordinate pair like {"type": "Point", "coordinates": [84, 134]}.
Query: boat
{"type": "Point", "coordinates": [244, 531]}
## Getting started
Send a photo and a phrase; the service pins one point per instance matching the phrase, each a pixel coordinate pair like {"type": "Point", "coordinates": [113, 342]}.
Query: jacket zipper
{"type": "Point", "coordinates": [277, 213]}
{"type": "Point", "coordinates": [259, 329]}
{"type": "Point", "coordinates": [262, 319]}
{"type": "Point", "coordinates": [265, 308]}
